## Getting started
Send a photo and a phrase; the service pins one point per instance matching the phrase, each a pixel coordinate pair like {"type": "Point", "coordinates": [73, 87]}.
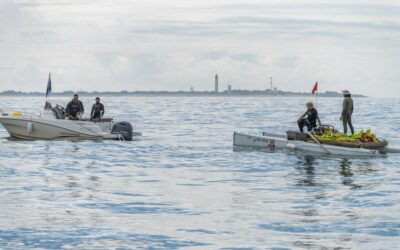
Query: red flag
{"type": "Point", "coordinates": [315, 89]}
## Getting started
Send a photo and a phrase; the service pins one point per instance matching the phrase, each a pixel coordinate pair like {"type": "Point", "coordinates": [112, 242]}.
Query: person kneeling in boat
{"type": "Point", "coordinates": [309, 119]}
{"type": "Point", "coordinates": [75, 108]}
{"type": "Point", "coordinates": [97, 110]}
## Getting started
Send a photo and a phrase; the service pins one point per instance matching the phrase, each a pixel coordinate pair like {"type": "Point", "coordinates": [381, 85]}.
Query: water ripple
{"type": "Point", "coordinates": [183, 185]}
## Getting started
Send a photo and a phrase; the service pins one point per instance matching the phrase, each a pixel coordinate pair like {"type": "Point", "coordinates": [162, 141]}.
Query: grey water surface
{"type": "Point", "coordinates": [183, 185]}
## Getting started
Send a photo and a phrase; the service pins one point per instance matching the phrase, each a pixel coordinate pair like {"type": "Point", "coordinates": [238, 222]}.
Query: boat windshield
{"type": "Point", "coordinates": [49, 104]}
{"type": "Point", "coordinates": [58, 108]}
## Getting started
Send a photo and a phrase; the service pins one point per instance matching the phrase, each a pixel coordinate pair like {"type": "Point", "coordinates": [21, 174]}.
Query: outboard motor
{"type": "Point", "coordinates": [124, 129]}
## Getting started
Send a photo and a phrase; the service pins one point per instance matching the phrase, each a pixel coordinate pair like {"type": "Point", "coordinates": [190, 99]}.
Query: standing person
{"type": "Point", "coordinates": [74, 108]}
{"type": "Point", "coordinates": [347, 112]}
{"type": "Point", "coordinates": [309, 119]}
{"type": "Point", "coordinates": [97, 110]}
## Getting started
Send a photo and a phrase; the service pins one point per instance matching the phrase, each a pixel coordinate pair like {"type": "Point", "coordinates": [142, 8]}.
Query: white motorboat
{"type": "Point", "coordinates": [268, 140]}
{"type": "Point", "coordinates": [49, 125]}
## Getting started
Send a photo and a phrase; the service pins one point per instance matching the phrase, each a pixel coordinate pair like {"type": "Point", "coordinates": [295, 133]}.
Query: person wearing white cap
{"type": "Point", "coordinates": [347, 112]}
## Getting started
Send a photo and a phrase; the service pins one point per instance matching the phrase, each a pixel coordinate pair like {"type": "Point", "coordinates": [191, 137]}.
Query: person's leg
{"type": "Point", "coordinates": [350, 124]}
{"type": "Point", "coordinates": [301, 125]}
{"type": "Point", "coordinates": [311, 128]}
{"type": "Point", "coordinates": [345, 124]}
{"type": "Point", "coordinates": [308, 125]}
{"type": "Point", "coordinates": [96, 117]}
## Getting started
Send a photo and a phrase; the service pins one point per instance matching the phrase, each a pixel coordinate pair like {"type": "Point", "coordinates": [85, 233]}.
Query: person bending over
{"type": "Point", "coordinates": [74, 108]}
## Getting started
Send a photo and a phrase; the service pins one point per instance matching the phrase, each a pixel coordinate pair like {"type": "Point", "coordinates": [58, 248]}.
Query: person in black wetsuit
{"type": "Point", "coordinates": [74, 108]}
{"type": "Point", "coordinates": [309, 118]}
{"type": "Point", "coordinates": [97, 110]}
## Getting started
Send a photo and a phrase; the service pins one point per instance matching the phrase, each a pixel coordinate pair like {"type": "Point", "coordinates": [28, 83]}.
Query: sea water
{"type": "Point", "coordinates": [183, 185]}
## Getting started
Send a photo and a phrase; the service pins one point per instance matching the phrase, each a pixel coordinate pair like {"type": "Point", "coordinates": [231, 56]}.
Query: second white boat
{"type": "Point", "coordinates": [268, 140]}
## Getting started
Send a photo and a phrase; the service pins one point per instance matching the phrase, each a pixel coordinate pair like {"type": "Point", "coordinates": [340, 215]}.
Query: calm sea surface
{"type": "Point", "coordinates": [183, 185]}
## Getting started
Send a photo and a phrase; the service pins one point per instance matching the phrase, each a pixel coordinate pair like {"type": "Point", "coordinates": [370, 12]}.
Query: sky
{"type": "Point", "coordinates": [104, 45]}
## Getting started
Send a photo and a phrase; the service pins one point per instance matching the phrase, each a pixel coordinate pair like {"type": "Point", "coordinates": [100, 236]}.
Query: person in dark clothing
{"type": "Point", "coordinates": [97, 110]}
{"type": "Point", "coordinates": [347, 112]}
{"type": "Point", "coordinates": [309, 118]}
{"type": "Point", "coordinates": [74, 108]}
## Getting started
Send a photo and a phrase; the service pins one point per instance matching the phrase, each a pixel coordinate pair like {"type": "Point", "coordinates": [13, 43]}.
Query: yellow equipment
{"type": "Point", "coordinates": [16, 113]}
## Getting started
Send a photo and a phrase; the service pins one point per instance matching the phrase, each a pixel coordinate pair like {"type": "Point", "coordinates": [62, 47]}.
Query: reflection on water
{"type": "Point", "coordinates": [345, 166]}
{"type": "Point", "coordinates": [182, 186]}
{"type": "Point", "coordinates": [307, 170]}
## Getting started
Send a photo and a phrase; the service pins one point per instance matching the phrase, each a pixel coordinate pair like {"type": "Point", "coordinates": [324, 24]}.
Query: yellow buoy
{"type": "Point", "coordinates": [16, 113]}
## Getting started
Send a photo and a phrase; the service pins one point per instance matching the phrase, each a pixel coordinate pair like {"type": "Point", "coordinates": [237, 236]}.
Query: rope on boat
{"type": "Point", "coordinates": [315, 139]}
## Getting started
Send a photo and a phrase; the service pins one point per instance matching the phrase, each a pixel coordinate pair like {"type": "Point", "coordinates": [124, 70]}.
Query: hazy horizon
{"type": "Point", "coordinates": [158, 45]}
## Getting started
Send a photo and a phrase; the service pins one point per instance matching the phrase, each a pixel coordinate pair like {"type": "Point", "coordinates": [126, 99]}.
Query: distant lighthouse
{"type": "Point", "coordinates": [216, 83]}
{"type": "Point", "coordinates": [272, 87]}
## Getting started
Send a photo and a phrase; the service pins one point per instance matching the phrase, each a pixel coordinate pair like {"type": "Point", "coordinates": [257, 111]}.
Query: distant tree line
{"type": "Point", "coordinates": [234, 92]}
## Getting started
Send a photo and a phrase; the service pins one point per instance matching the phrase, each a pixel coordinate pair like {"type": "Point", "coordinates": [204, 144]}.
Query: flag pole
{"type": "Point", "coordinates": [316, 94]}
{"type": "Point", "coordinates": [48, 89]}
{"type": "Point", "coordinates": [315, 91]}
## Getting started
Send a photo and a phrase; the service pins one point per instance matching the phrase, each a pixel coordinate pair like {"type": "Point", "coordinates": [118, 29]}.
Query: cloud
{"type": "Point", "coordinates": [136, 45]}
{"type": "Point", "coordinates": [286, 62]}
{"type": "Point", "coordinates": [251, 58]}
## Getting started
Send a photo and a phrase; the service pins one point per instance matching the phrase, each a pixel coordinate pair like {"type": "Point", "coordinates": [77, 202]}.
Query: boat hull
{"type": "Point", "coordinates": [278, 141]}
{"type": "Point", "coordinates": [258, 141]}
{"type": "Point", "coordinates": [43, 129]}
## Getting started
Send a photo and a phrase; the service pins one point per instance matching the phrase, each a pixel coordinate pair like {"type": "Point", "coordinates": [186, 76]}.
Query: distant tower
{"type": "Point", "coordinates": [229, 88]}
{"type": "Point", "coordinates": [271, 83]}
{"type": "Point", "coordinates": [191, 89]}
{"type": "Point", "coordinates": [216, 83]}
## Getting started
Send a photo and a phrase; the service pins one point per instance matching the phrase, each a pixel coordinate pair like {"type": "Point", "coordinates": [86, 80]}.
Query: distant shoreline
{"type": "Point", "coordinates": [233, 93]}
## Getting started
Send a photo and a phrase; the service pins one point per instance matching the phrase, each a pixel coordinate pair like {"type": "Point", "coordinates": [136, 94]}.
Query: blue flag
{"type": "Point", "coordinates": [48, 86]}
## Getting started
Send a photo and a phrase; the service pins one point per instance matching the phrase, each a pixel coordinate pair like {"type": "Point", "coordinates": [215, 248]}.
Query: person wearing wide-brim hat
{"type": "Point", "coordinates": [347, 112]}
{"type": "Point", "coordinates": [309, 118]}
